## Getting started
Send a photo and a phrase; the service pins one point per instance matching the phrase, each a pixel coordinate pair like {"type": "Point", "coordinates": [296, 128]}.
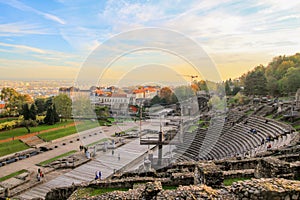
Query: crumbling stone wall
{"type": "Point", "coordinates": [210, 175]}
{"type": "Point", "coordinates": [272, 167]}
{"type": "Point", "coordinates": [226, 165]}
{"type": "Point", "coordinates": [266, 189]}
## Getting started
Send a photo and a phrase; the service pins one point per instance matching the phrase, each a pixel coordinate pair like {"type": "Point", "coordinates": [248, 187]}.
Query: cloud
{"type": "Point", "coordinates": [23, 47]}
{"type": "Point", "coordinates": [21, 6]}
{"type": "Point", "coordinates": [22, 28]}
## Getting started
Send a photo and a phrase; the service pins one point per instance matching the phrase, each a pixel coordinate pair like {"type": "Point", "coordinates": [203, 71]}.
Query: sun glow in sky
{"type": "Point", "coordinates": [52, 39]}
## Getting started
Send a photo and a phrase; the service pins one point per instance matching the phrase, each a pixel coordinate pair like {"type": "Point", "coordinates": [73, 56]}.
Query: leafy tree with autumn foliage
{"type": "Point", "coordinates": [14, 101]}
{"type": "Point", "coordinates": [166, 96]}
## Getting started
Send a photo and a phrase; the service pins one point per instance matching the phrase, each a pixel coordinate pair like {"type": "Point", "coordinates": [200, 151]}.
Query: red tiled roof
{"type": "Point", "coordinates": [118, 95]}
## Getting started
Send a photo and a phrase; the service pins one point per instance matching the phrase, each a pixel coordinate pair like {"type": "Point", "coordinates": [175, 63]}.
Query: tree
{"type": "Point", "coordinates": [202, 85]}
{"type": "Point", "coordinates": [33, 112]}
{"type": "Point", "coordinates": [291, 80]}
{"type": "Point", "coordinates": [166, 93]}
{"type": "Point", "coordinates": [29, 115]}
{"type": "Point", "coordinates": [102, 112]}
{"type": "Point", "coordinates": [63, 105]}
{"type": "Point", "coordinates": [183, 93]}
{"type": "Point", "coordinates": [256, 82]}
{"type": "Point", "coordinates": [14, 100]}
{"type": "Point", "coordinates": [41, 105]}
{"type": "Point", "coordinates": [26, 111]}
{"type": "Point", "coordinates": [155, 100]}
{"type": "Point", "coordinates": [227, 88]}
{"type": "Point", "coordinates": [235, 90]}
{"type": "Point", "coordinates": [51, 116]}
{"type": "Point", "coordinates": [273, 86]}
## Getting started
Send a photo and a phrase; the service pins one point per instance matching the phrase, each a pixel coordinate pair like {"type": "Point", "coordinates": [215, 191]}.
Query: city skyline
{"type": "Point", "coordinates": [52, 40]}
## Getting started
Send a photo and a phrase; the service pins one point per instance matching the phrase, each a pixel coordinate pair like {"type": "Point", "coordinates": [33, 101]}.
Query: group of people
{"type": "Point", "coordinates": [86, 152]}
{"type": "Point", "coordinates": [39, 175]}
{"type": "Point", "coordinates": [253, 130]}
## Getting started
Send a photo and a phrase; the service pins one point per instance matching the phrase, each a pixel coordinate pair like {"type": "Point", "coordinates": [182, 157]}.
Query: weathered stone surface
{"type": "Point", "coordinates": [269, 189]}
{"type": "Point", "coordinates": [210, 174]}
{"type": "Point", "coordinates": [272, 167]}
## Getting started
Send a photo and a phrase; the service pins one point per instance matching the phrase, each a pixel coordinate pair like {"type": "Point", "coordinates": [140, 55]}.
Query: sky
{"type": "Point", "coordinates": [54, 39]}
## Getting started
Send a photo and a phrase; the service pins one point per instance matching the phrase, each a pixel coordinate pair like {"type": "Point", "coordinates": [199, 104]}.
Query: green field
{"type": "Point", "coordinates": [229, 181]}
{"type": "Point", "coordinates": [23, 131]}
{"type": "Point", "coordinates": [12, 147]}
{"type": "Point", "coordinates": [12, 175]}
{"type": "Point", "coordinates": [56, 158]}
{"type": "Point", "coordinates": [89, 192]}
{"type": "Point", "coordinates": [7, 119]}
{"type": "Point", "coordinates": [52, 135]}
{"type": "Point", "coordinates": [85, 125]}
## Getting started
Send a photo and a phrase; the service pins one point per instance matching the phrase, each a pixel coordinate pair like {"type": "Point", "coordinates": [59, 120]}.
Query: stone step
{"type": "Point", "coordinates": [32, 141]}
{"type": "Point", "coordinates": [104, 162]}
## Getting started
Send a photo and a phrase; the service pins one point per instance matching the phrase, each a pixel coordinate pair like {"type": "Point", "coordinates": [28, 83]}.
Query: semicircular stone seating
{"type": "Point", "coordinates": [235, 138]}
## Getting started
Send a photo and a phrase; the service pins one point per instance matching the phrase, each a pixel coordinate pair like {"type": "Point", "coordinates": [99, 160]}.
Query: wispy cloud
{"type": "Point", "coordinates": [22, 28]}
{"type": "Point", "coordinates": [21, 6]}
{"type": "Point", "coordinates": [23, 47]}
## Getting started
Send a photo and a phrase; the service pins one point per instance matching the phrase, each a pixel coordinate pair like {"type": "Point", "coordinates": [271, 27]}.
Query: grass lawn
{"type": "Point", "coordinates": [169, 187]}
{"type": "Point", "coordinates": [192, 128]}
{"type": "Point", "coordinates": [22, 131]}
{"type": "Point", "coordinates": [269, 116]}
{"type": "Point", "coordinates": [229, 181]}
{"type": "Point", "coordinates": [56, 158]}
{"type": "Point", "coordinates": [12, 175]}
{"type": "Point", "coordinates": [297, 127]}
{"type": "Point", "coordinates": [85, 125]}
{"type": "Point", "coordinates": [7, 119]}
{"type": "Point", "coordinates": [99, 191]}
{"type": "Point", "coordinates": [12, 147]}
{"type": "Point", "coordinates": [89, 191]}
{"type": "Point", "coordinates": [52, 135]}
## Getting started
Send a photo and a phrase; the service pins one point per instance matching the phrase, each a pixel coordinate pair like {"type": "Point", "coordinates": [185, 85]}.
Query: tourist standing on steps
{"type": "Point", "coordinates": [38, 176]}
{"type": "Point", "coordinates": [98, 175]}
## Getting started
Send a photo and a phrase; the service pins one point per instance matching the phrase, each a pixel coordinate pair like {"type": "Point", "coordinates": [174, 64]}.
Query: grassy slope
{"type": "Point", "coordinates": [12, 147]}
{"type": "Point", "coordinates": [23, 131]}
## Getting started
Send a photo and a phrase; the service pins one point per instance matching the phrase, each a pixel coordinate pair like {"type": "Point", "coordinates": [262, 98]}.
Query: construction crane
{"type": "Point", "coordinates": [191, 76]}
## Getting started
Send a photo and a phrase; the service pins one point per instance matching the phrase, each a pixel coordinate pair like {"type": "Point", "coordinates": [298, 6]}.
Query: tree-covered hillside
{"type": "Point", "coordinates": [279, 78]}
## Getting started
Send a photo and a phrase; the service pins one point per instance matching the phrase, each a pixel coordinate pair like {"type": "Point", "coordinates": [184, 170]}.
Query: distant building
{"type": "Point", "coordinates": [145, 92]}
{"type": "Point", "coordinates": [2, 106]}
{"type": "Point", "coordinates": [69, 91]}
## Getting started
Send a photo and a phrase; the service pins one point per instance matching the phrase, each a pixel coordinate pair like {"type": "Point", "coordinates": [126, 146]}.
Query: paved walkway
{"type": "Point", "coordinates": [30, 163]}
{"type": "Point", "coordinates": [105, 162]}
